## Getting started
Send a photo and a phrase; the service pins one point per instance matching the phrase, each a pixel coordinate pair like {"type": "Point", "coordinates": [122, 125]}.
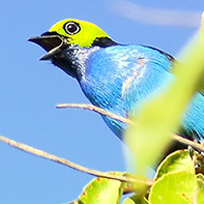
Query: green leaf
{"type": "Point", "coordinates": [102, 191]}
{"type": "Point", "coordinates": [179, 188]}
{"type": "Point", "coordinates": [160, 115]}
{"type": "Point", "coordinates": [129, 201]}
{"type": "Point", "coordinates": [200, 193]}
{"type": "Point", "coordinates": [136, 199]}
{"type": "Point", "coordinates": [201, 177]}
{"type": "Point", "coordinates": [177, 161]}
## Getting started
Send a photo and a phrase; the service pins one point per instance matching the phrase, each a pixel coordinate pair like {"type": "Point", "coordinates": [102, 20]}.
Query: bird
{"type": "Point", "coordinates": [113, 76]}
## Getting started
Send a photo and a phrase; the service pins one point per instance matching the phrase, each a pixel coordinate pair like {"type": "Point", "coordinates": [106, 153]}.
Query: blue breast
{"type": "Point", "coordinates": [118, 78]}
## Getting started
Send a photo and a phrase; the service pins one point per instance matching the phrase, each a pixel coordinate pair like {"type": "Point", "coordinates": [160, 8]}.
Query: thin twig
{"type": "Point", "coordinates": [96, 109]}
{"type": "Point", "coordinates": [72, 165]}
{"type": "Point", "coordinates": [183, 140]}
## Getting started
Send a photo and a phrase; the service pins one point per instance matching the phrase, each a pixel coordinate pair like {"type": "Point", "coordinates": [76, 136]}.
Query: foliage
{"type": "Point", "coordinates": [175, 182]}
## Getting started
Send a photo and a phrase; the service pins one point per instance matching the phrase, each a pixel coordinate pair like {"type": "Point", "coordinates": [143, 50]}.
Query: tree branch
{"type": "Point", "coordinates": [96, 109]}
{"type": "Point", "coordinates": [45, 155]}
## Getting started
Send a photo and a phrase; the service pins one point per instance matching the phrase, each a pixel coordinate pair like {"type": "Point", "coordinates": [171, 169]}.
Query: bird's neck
{"type": "Point", "coordinates": [73, 60]}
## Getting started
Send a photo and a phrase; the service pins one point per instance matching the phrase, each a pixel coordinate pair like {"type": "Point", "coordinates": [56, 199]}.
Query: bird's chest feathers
{"type": "Point", "coordinates": [117, 77]}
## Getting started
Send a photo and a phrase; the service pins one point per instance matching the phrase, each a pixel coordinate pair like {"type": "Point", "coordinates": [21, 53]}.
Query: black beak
{"type": "Point", "coordinates": [52, 42]}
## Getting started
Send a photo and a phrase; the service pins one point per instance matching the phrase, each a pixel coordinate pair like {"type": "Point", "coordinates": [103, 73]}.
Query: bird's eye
{"type": "Point", "coordinates": [72, 28]}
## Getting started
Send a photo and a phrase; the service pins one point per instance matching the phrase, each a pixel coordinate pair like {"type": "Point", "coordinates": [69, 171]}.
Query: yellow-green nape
{"type": "Point", "coordinates": [85, 35]}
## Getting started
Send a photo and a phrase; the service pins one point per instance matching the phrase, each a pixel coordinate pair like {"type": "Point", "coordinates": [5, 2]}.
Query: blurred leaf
{"type": "Point", "coordinates": [202, 28]}
{"type": "Point", "coordinates": [179, 188]}
{"type": "Point", "coordinates": [176, 162]}
{"type": "Point", "coordinates": [159, 116]}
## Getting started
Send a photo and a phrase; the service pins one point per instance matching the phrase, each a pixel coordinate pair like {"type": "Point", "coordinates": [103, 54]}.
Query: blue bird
{"type": "Point", "coordinates": [114, 76]}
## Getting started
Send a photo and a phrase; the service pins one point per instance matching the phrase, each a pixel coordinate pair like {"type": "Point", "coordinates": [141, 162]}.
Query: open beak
{"type": "Point", "coordinates": [53, 43]}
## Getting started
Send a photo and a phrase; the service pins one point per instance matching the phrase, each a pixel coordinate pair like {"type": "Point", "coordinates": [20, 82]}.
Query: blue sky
{"type": "Point", "coordinates": [30, 89]}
